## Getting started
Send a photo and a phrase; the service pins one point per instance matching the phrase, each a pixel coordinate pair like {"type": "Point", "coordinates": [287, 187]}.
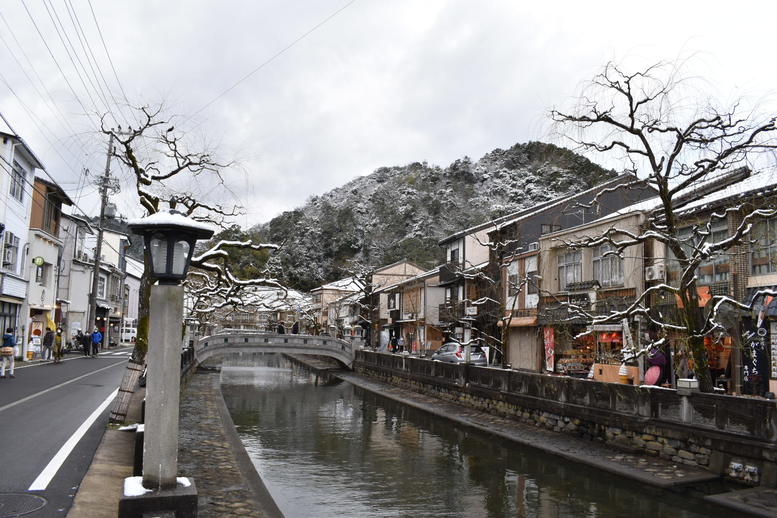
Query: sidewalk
{"type": "Point", "coordinates": [100, 490]}
{"type": "Point", "coordinates": [209, 451]}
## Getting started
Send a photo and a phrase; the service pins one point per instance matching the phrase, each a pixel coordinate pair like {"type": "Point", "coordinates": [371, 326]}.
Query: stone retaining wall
{"type": "Point", "coordinates": [729, 435]}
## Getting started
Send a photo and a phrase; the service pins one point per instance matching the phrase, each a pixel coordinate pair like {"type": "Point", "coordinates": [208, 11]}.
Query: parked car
{"type": "Point", "coordinates": [453, 352]}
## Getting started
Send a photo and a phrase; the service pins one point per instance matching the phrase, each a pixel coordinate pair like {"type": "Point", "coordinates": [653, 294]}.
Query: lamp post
{"type": "Point", "coordinates": [169, 239]}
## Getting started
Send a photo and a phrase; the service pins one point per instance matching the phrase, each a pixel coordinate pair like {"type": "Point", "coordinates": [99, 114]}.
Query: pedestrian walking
{"type": "Point", "coordinates": [58, 346]}
{"type": "Point", "coordinates": [295, 328]}
{"type": "Point", "coordinates": [7, 352]}
{"type": "Point", "coordinates": [97, 337]}
{"type": "Point", "coordinates": [48, 341]}
{"type": "Point", "coordinates": [85, 342]}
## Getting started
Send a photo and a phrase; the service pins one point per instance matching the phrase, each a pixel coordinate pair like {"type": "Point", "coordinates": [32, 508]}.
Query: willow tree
{"type": "Point", "coordinates": [159, 158]}
{"type": "Point", "coordinates": [676, 140]}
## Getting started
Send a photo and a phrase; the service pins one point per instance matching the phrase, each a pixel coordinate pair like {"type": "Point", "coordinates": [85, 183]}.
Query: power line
{"type": "Point", "coordinates": [74, 17]}
{"type": "Point", "coordinates": [59, 67]}
{"type": "Point", "coordinates": [34, 118]}
{"type": "Point", "coordinates": [32, 186]}
{"type": "Point", "coordinates": [108, 54]}
{"type": "Point", "coordinates": [274, 56]}
{"type": "Point", "coordinates": [84, 44]}
{"type": "Point", "coordinates": [65, 40]}
{"type": "Point", "coordinates": [48, 98]}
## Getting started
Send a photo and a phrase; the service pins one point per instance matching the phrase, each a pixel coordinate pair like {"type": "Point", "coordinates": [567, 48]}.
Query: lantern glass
{"type": "Point", "coordinates": [158, 251]}
{"type": "Point", "coordinates": [180, 256]}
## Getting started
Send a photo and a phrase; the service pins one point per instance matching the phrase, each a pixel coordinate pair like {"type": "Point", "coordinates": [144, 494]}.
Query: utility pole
{"type": "Point", "coordinates": [104, 183]}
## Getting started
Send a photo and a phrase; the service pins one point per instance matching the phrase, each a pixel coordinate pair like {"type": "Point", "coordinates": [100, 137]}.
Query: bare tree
{"type": "Point", "coordinates": [676, 144]}
{"type": "Point", "coordinates": [158, 156]}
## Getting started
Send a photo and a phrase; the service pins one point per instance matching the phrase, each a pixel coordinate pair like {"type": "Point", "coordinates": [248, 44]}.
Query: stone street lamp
{"type": "Point", "coordinates": [169, 239]}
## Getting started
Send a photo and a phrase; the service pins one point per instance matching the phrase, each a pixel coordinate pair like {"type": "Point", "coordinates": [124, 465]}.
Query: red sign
{"type": "Point", "coordinates": [550, 348]}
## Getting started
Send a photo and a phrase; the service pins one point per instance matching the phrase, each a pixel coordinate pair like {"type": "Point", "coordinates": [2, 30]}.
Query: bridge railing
{"type": "Point", "coordinates": [304, 344]}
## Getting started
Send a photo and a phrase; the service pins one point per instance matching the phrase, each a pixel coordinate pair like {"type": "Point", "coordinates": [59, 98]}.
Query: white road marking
{"type": "Point", "coordinates": [45, 477]}
{"type": "Point", "coordinates": [55, 387]}
{"type": "Point", "coordinates": [25, 365]}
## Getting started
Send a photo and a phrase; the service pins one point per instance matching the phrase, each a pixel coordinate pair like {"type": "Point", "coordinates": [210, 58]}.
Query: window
{"type": "Point", "coordinates": [763, 251]}
{"type": "Point", "coordinates": [608, 265]}
{"type": "Point", "coordinates": [455, 255]}
{"type": "Point", "coordinates": [513, 279]}
{"type": "Point", "coordinates": [18, 177]}
{"type": "Point", "coordinates": [393, 301]}
{"type": "Point", "coordinates": [570, 268]}
{"type": "Point", "coordinates": [532, 284]}
{"type": "Point", "coordinates": [10, 251]}
{"type": "Point", "coordinates": [714, 270]}
{"type": "Point", "coordinates": [547, 228]}
{"type": "Point", "coordinates": [101, 282]}
{"type": "Point", "coordinates": [51, 216]}
{"type": "Point", "coordinates": [41, 273]}
{"type": "Point", "coordinates": [115, 287]}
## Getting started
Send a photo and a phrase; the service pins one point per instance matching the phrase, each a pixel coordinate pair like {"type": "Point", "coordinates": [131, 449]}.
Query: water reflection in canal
{"type": "Point", "coordinates": [330, 450]}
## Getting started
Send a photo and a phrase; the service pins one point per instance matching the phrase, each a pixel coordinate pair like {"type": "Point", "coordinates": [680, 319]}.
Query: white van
{"type": "Point", "coordinates": [129, 331]}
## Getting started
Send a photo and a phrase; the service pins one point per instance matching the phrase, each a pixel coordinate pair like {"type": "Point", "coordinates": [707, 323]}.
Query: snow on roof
{"type": "Point", "coordinates": [422, 275]}
{"type": "Point", "coordinates": [172, 218]}
{"type": "Point", "coordinates": [347, 284]}
{"type": "Point", "coordinates": [560, 200]}
{"type": "Point", "coordinates": [762, 180]}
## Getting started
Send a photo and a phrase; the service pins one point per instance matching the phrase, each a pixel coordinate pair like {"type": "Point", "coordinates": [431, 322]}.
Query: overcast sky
{"type": "Point", "coordinates": [379, 83]}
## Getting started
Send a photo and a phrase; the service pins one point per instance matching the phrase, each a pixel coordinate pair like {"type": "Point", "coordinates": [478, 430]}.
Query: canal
{"type": "Point", "coordinates": [326, 449]}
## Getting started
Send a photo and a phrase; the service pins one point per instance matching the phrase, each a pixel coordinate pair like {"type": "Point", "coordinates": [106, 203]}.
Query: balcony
{"type": "Point", "coordinates": [450, 272]}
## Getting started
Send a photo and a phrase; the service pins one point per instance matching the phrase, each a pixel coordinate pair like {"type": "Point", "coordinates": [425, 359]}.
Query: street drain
{"type": "Point", "coordinates": [19, 504]}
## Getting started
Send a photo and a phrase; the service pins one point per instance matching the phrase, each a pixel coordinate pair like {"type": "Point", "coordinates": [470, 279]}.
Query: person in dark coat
{"type": "Point", "coordinates": [295, 328]}
{"type": "Point", "coordinates": [85, 341]}
{"type": "Point", "coordinates": [281, 329]}
{"type": "Point", "coordinates": [48, 342]}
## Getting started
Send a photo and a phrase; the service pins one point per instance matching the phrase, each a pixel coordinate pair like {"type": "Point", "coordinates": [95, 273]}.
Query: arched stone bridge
{"type": "Point", "coordinates": [236, 342]}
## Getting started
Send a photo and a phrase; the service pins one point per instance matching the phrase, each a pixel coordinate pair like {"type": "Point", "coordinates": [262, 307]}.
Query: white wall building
{"type": "Point", "coordinates": [17, 171]}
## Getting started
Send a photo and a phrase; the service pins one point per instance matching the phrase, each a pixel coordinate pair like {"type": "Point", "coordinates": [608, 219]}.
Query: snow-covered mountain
{"type": "Point", "coordinates": [402, 211]}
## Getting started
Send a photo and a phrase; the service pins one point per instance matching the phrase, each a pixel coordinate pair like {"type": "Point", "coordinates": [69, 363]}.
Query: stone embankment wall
{"type": "Point", "coordinates": [733, 436]}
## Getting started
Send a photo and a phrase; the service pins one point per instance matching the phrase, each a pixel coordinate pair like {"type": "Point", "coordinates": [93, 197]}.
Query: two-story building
{"type": "Point", "coordinates": [45, 255]}
{"type": "Point", "coordinates": [515, 261]}
{"type": "Point", "coordinates": [75, 273]}
{"type": "Point", "coordinates": [578, 283]}
{"type": "Point", "coordinates": [17, 165]}
{"type": "Point", "coordinates": [375, 310]}
{"type": "Point", "coordinates": [413, 319]}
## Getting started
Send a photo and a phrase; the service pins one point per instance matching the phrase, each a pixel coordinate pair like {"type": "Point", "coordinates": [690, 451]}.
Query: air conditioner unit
{"type": "Point", "coordinates": [471, 311]}
{"type": "Point", "coordinates": [654, 273]}
{"type": "Point", "coordinates": [408, 316]}
{"type": "Point", "coordinates": [533, 246]}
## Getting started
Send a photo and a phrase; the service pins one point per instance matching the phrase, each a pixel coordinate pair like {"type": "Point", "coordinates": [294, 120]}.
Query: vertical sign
{"type": "Point", "coordinates": [773, 343]}
{"type": "Point", "coordinates": [550, 347]}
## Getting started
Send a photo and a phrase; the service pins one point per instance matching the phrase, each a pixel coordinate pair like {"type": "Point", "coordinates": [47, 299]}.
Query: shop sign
{"type": "Point", "coordinates": [550, 347]}
{"type": "Point", "coordinates": [773, 343]}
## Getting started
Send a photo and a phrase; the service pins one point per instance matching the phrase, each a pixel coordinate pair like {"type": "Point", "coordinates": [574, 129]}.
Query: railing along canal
{"type": "Point", "coordinates": [226, 343]}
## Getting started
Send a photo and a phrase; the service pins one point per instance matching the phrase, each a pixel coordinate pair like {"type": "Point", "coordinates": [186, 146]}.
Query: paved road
{"type": "Point", "coordinates": [52, 416]}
